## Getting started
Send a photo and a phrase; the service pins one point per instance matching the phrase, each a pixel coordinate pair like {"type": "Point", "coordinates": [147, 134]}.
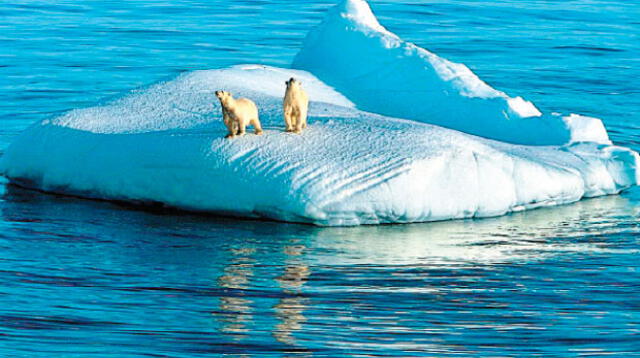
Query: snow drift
{"type": "Point", "coordinates": [381, 73]}
{"type": "Point", "coordinates": [164, 144]}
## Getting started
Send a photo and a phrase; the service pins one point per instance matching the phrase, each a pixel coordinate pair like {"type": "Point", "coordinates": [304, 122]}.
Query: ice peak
{"type": "Point", "coordinates": [359, 12]}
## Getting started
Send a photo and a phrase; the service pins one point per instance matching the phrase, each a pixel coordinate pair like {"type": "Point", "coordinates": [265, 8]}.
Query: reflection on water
{"type": "Point", "coordinates": [290, 308]}
{"type": "Point", "coordinates": [188, 285]}
{"type": "Point", "coordinates": [235, 310]}
{"type": "Point", "coordinates": [525, 236]}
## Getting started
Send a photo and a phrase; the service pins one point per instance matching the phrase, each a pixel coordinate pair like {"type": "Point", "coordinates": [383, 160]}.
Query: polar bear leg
{"type": "Point", "coordinates": [299, 120]}
{"type": "Point", "coordinates": [288, 118]}
{"type": "Point", "coordinates": [303, 118]}
{"type": "Point", "coordinates": [242, 128]}
{"type": "Point", "coordinates": [231, 127]}
{"type": "Point", "coordinates": [256, 126]}
{"type": "Point", "coordinates": [294, 119]}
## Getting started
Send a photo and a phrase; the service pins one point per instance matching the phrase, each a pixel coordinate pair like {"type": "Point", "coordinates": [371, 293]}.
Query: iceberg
{"type": "Point", "coordinates": [165, 145]}
{"type": "Point", "coordinates": [384, 74]}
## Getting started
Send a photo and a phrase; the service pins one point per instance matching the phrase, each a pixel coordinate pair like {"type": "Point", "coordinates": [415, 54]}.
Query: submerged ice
{"type": "Point", "coordinates": [164, 144]}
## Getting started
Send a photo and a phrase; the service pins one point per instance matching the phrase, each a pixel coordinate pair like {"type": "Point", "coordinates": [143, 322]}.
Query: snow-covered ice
{"type": "Point", "coordinates": [164, 144]}
{"type": "Point", "coordinates": [383, 74]}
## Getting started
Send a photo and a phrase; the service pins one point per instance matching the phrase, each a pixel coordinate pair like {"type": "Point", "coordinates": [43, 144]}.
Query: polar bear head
{"type": "Point", "coordinates": [224, 97]}
{"type": "Point", "coordinates": [293, 83]}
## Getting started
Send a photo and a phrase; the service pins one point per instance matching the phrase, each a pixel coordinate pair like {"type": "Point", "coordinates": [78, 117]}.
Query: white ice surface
{"type": "Point", "coordinates": [383, 74]}
{"type": "Point", "coordinates": [165, 144]}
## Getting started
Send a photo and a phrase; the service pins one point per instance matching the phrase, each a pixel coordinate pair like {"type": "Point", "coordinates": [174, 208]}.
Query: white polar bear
{"type": "Point", "coordinates": [296, 105]}
{"type": "Point", "coordinates": [237, 114]}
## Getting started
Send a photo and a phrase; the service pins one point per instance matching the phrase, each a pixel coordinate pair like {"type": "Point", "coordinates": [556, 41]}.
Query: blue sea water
{"type": "Point", "coordinates": [80, 278]}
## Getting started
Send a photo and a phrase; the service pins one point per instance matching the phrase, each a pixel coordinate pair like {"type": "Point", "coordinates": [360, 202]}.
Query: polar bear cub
{"type": "Point", "coordinates": [296, 105]}
{"type": "Point", "coordinates": [237, 114]}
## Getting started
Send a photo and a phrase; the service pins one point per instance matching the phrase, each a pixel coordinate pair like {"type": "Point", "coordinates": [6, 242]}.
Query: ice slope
{"type": "Point", "coordinates": [165, 144]}
{"type": "Point", "coordinates": [381, 73]}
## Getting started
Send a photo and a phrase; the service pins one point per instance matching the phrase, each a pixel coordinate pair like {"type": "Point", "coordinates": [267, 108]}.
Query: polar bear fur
{"type": "Point", "coordinates": [296, 105]}
{"type": "Point", "coordinates": [237, 114]}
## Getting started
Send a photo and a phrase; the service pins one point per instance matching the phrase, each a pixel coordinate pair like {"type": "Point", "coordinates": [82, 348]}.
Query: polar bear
{"type": "Point", "coordinates": [237, 114]}
{"type": "Point", "coordinates": [296, 104]}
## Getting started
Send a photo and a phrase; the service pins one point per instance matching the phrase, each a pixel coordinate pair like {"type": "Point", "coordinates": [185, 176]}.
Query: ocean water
{"type": "Point", "coordinates": [80, 278]}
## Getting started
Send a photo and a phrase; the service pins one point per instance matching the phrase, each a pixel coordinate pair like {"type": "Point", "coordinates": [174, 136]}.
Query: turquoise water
{"type": "Point", "coordinates": [80, 278]}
